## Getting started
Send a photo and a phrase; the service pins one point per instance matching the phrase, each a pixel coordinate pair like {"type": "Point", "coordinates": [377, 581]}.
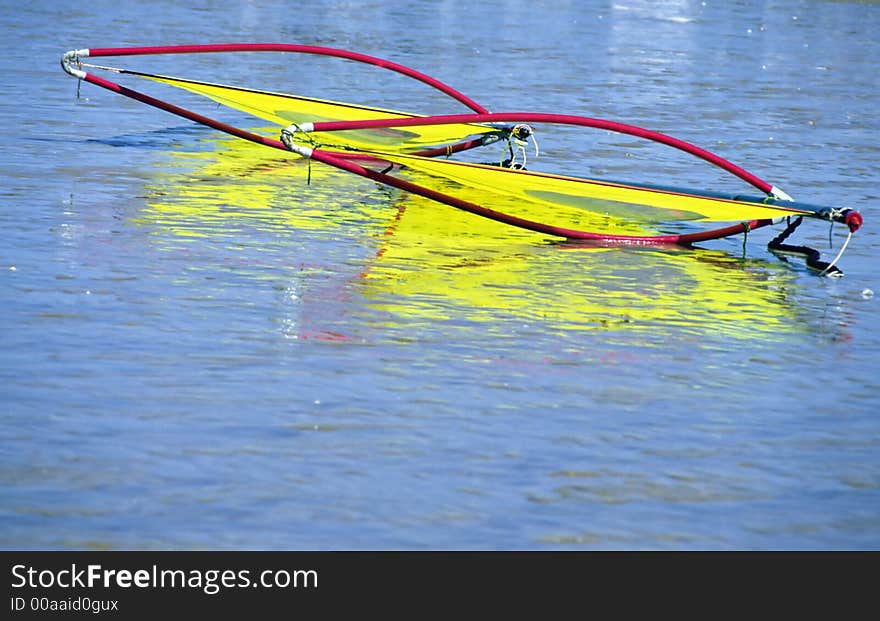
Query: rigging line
{"type": "Point", "coordinates": [813, 258]}
{"type": "Point", "coordinates": [830, 266]}
{"type": "Point", "coordinates": [102, 67]}
{"type": "Point", "coordinates": [789, 229]}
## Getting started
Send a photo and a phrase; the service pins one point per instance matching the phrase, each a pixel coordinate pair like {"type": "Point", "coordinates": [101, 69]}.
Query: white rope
{"type": "Point", "coordinates": [839, 254]}
{"type": "Point", "coordinates": [103, 67]}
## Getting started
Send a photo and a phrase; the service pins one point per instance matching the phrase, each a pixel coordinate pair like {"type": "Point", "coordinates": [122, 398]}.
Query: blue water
{"type": "Point", "coordinates": [201, 350]}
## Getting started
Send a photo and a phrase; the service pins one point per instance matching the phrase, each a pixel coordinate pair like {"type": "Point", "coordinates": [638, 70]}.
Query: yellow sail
{"type": "Point", "coordinates": [563, 201]}
{"type": "Point", "coordinates": [574, 202]}
{"type": "Point", "coordinates": [285, 109]}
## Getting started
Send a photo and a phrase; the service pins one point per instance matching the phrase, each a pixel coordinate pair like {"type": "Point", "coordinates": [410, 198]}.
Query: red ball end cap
{"type": "Point", "coordinates": [853, 221]}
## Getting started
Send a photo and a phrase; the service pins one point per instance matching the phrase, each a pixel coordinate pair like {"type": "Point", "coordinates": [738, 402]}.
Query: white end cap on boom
{"type": "Point", "coordinates": [287, 138]}
{"type": "Point", "coordinates": [777, 193]}
{"type": "Point", "coordinates": [73, 56]}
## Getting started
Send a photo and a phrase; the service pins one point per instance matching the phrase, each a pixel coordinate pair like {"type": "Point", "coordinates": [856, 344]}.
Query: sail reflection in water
{"type": "Point", "coordinates": [410, 260]}
{"type": "Point", "coordinates": [440, 263]}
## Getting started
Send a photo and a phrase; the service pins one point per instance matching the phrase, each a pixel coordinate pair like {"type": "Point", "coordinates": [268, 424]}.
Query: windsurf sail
{"type": "Point", "coordinates": [400, 150]}
{"type": "Point", "coordinates": [284, 109]}
{"type": "Point", "coordinates": [606, 199]}
{"type": "Point", "coordinates": [612, 230]}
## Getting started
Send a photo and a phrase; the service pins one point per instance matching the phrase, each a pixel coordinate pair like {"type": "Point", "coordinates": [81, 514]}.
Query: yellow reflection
{"type": "Point", "coordinates": [233, 182]}
{"type": "Point", "coordinates": [435, 263]}
{"type": "Point", "coordinates": [439, 263]}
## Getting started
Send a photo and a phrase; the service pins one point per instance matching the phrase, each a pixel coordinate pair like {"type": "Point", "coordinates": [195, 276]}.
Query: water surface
{"type": "Point", "coordinates": [203, 349]}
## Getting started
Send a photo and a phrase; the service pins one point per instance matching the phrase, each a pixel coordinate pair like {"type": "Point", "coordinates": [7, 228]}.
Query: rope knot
{"type": "Point", "coordinates": [520, 136]}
